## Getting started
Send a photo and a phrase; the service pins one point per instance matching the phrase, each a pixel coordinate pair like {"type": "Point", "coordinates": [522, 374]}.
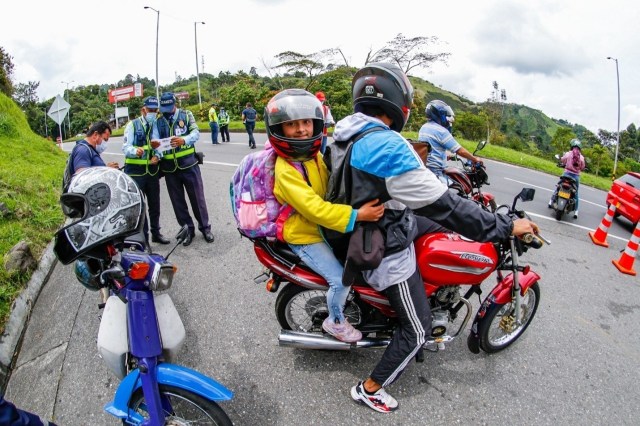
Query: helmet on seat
{"type": "Point", "coordinates": [384, 86]}
{"type": "Point", "coordinates": [289, 105]}
{"type": "Point", "coordinates": [88, 273]}
{"type": "Point", "coordinates": [441, 113]}
{"type": "Point", "coordinates": [105, 204]}
{"type": "Point", "coordinates": [576, 143]}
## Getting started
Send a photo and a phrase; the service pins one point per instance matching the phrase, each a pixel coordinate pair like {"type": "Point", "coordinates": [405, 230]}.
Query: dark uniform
{"type": "Point", "coordinates": [180, 166]}
{"type": "Point", "coordinates": [145, 174]}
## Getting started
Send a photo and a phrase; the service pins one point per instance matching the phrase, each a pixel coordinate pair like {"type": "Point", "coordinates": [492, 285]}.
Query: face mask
{"type": "Point", "coordinates": [151, 117]}
{"type": "Point", "coordinates": [102, 147]}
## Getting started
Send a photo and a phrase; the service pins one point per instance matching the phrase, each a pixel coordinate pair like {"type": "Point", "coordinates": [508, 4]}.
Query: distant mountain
{"type": "Point", "coordinates": [517, 120]}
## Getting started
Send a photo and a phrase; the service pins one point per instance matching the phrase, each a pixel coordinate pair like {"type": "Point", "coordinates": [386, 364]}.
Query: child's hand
{"type": "Point", "coordinates": [370, 212]}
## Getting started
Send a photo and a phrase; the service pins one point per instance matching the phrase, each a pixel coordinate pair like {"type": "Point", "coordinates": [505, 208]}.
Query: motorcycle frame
{"type": "Point", "coordinates": [145, 345]}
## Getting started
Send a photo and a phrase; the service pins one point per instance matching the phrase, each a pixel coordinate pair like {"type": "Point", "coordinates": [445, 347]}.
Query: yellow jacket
{"type": "Point", "coordinates": [308, 201]}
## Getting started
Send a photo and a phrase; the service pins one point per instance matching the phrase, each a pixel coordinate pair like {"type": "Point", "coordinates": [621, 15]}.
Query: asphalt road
{"type": "Point", "coordinates": [578, 363]}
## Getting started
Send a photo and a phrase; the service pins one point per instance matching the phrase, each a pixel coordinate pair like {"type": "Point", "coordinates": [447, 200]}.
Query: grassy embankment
{"type": "Point", "coordinates": [30, 179]}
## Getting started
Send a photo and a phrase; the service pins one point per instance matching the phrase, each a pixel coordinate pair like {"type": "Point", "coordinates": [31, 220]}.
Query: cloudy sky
{"type": "Point", "coordinates": [549, 55]}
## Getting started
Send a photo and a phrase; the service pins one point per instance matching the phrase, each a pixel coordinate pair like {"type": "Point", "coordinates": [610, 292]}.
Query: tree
{"type": "Point", "coordinates": [26, 94]}
{"type": "Point", "coordinates": [6, 72]}
{"type": "Point", "coordinates": [310, 65]}
{"type": "Point", "coordinates": [408, 53]}
{"type": "Point", "coordinates": [599, 159]}
{"type": "Point", "coordinates": [561, 139]}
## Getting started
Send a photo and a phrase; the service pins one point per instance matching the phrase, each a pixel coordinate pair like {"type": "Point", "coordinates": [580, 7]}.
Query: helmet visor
{"type": "Point", "coordinates": [74, 206]}
{"type": "Point", "coordinates": [293, 104]}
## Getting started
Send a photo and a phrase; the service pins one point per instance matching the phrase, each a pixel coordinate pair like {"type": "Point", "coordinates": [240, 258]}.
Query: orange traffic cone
{"type": "Point", "coordinates": [625, 263]}
{"type": "Point", "coordinates": [600, 236]}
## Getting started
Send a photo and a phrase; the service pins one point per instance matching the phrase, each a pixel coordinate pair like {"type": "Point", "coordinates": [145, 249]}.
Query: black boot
{"type": "Point", "coordinates": [159, 238]}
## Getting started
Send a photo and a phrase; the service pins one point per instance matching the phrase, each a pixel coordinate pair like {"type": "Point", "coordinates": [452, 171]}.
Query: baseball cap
{"type": "Point", "coordinates": [167, 102]}
{"type": "Point", "coordinates": [151, 102]}
{"type": "Point", "coordinates": [320, 96]}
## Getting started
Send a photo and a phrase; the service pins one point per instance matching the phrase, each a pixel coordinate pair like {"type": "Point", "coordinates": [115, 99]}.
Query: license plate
{"type": "Point", "coordinates": [564, 194]}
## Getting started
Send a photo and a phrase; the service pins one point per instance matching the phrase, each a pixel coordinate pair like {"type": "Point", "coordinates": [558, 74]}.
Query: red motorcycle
{"type": "Point", "coordinates": [453, 269]}
{"type": "Point", "coordinates": [468, 180]}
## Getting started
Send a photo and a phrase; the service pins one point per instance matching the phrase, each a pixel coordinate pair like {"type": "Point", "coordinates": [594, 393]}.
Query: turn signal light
{"type": "Point", "coordinates": [272, 285]}
{"type": "Point", "coordinates": [138, 271]}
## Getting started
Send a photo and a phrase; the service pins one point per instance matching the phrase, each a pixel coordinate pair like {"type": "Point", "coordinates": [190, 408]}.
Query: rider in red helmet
{"type": "Point", "coordinates": [294, 123]}
{"type": "Point", "coordinates": [328, 119]}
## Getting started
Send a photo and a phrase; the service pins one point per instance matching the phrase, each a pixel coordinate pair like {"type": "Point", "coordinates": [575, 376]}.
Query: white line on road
{"type": "Point", "coordinates": [572, 224]}
{"type": "Point", "coordinates": [582, 200]}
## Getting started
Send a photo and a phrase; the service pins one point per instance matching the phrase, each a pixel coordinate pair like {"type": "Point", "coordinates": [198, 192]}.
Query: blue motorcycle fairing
{"type": "Point", "coordinates": [168, 374]}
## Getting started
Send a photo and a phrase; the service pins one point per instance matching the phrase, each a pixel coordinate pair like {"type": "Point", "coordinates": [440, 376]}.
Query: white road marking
{"type": "Point", "coordinates": [582, 200]}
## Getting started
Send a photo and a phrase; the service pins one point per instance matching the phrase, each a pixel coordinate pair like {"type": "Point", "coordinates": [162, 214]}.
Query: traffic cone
{"type": "Point", "coordinates": [600, 236]}
{"type": "Point", "coordinates": [625, 263]}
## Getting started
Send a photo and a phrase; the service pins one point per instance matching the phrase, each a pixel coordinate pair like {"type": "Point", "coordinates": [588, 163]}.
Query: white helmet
{"type": "Point", "coordinates": [106, 204]}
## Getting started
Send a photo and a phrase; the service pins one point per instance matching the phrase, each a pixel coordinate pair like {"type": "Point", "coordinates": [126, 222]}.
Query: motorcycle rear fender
{"type": "Point", "coordinates": [501, 294]}
{"type": "Point", "coordinates": [561, 203]}
{"type": "Point", "coordinates": [168, 374]}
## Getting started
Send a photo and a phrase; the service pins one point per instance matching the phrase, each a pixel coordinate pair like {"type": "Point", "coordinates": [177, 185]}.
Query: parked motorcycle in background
{"type": "Point", "coordinates": [468, 180]}
{"type": "Point", "coordinates": [564, 201]}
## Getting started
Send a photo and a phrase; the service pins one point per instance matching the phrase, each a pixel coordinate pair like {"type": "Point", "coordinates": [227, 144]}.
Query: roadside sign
{"type": "Point", "coordinates": [182, 95]}
{"type": "Point", "coordinates": [58, 110]}
{"type": "Point", "coordinates": [125, 93]}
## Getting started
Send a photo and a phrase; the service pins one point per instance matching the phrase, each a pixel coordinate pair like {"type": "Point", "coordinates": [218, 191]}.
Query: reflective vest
{"type": "Point", "coordinates": [223, 118]}
{"type": "Point", "coordinates": [180, 158]}
{"type": "Point", "coordinates": [139, 166]}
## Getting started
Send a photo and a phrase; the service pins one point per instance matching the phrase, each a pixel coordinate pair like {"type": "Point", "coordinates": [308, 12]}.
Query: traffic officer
{"type": "Point", "coordinates": [180, 165]}
{"type": "Point", "coordinates": [213, 124]}
{"type": "Point", "coordinates": [141, 163]}
{"type": "Point", "coordinates": [223, 121]}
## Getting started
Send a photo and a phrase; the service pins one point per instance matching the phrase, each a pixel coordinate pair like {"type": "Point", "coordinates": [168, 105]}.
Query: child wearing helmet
{"type": "Point", "coordinates": [573, 163]}
{"type": "Point", "coordinates": [437, 133]}
{"type": "Point", "coordinates": [295, 122]}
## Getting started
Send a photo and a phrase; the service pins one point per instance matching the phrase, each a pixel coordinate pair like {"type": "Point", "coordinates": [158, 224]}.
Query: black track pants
{"type": "Point", "coordinates": [409, 300]}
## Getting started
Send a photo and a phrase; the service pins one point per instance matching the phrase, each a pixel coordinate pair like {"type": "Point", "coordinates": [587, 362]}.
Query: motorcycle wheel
{"type": "Point", "coordinates": [498, 328]}
{"type": "Point", "coordinates": [188, 408]}
{"type": "Point", "coordinates": [303, 309]}
{"type": "Point", "coordinates": [493, 206]}
{"type": "Point", "coordinates": [559, 214]}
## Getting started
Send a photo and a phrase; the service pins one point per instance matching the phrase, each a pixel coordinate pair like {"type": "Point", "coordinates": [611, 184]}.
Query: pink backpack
{"type": "Point", "coordinates": [257, 212]}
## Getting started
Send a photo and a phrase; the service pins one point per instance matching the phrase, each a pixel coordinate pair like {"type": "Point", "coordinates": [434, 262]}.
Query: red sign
{"type": "Point", "coordinates": [182, 95]}
{"type": "Point", "coordinates": [125, 93]}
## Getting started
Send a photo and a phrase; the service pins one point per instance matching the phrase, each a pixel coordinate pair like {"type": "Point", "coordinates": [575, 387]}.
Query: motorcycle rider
{"type": "Point", "coordinates": [383, 165]}
{"type": "Point", "coordinates": [437, 133]}
{"type": "Point", "coordinates": [295, 122]}
{"type": "Point", "coordinates": [573, 163]}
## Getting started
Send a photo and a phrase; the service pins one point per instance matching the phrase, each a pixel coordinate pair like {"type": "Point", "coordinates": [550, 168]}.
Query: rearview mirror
{"type": "Point", "coordinates": [527, 194]}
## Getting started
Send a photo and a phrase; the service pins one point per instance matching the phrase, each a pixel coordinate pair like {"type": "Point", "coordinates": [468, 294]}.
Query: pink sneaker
{"type": "Point", "coordinates": [342, 331]}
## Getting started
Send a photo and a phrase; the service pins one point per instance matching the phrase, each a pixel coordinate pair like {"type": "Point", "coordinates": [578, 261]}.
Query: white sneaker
{"type": "Point", "coordinates": [379, 401]}
{"type": "Point", "coordinates": [344, 332]}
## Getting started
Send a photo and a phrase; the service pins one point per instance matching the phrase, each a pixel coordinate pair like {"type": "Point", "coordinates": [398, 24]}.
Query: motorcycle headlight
{"type": "Point", "coordinates": [162, 276]}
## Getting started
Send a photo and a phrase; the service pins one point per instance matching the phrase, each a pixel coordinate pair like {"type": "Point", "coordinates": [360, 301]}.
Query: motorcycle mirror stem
{"type": "Point", "coordinates": [180, 237]}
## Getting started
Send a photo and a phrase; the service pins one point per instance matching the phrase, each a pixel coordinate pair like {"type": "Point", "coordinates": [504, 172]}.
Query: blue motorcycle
{"type": "Point", "coordinates": [140, 331]}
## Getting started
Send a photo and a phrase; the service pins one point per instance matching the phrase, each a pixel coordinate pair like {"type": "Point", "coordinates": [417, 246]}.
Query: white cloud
{"type": "Point", "coordinates": [548, 55]}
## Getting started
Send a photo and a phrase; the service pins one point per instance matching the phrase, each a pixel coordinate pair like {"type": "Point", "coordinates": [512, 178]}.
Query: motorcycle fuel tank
{"type": "Point", "coordinates": [449, 259]}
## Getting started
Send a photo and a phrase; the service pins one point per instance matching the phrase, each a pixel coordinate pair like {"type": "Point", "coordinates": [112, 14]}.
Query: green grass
{"type": "Point", "coordinates": [30, 179]}
{"type": "Point", "coordinates": [511, 156]}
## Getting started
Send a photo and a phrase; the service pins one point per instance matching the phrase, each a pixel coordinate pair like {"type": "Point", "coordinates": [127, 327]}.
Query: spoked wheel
{"type": "Point", "coordinates": [303, 309]}
{"type": "Point", "coordinates": [499, 328]}
{"type": "Point", "coordinates": [187, 408]}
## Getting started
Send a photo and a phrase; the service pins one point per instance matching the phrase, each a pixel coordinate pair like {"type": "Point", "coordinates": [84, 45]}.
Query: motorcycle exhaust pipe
{"type": "Point", "coordinates": [302, 340]}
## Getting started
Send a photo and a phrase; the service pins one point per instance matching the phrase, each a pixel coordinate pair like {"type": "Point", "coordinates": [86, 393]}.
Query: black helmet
{"type": "Point", "coordinates": [386, 86]}
{"type": "Point", "coordinates": [88, 271]}
{"type": "Point", "coordinates": [289, 105]}
{"type": "Point", "coordinates": [105, 204]}
{"type": "Point", "coordinates": [441, 113]}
